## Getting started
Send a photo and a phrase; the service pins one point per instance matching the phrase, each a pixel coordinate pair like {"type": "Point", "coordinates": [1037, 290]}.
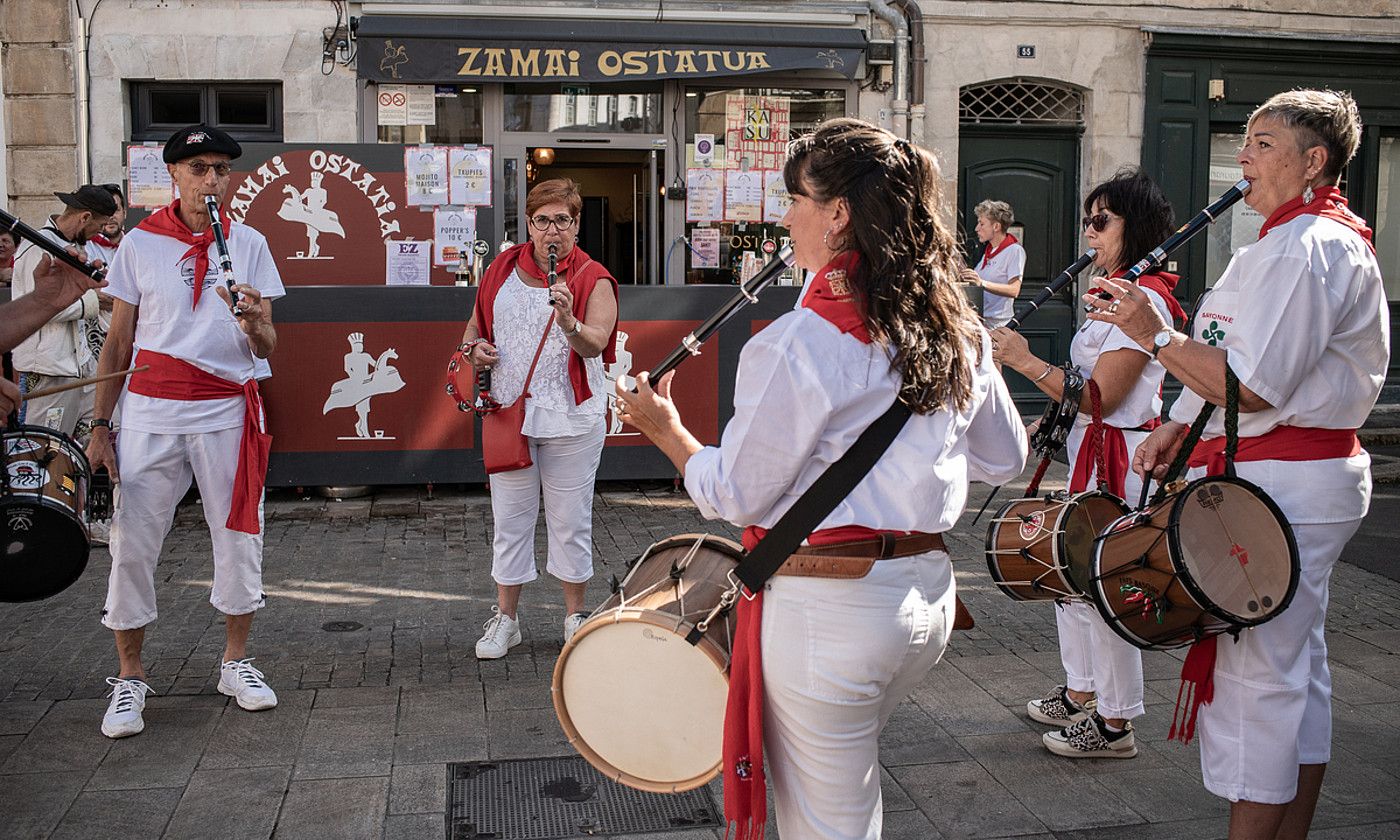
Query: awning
{"type": "Point", "coordinates": [396, 48]}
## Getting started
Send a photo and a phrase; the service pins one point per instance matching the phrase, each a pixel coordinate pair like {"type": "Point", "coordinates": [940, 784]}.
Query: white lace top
{"type": "Point", "coordinates": [519, 315]}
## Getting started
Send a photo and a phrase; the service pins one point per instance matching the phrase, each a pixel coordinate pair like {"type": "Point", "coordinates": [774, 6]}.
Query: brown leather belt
{"type": "Point", "coordinates": [851, 560]}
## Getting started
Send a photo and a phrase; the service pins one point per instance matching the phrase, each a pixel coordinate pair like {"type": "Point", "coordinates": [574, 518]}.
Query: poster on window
{"type": "Point", "coordinates": [704, 248]}
{"type": "Point", "coordinates": [756, 131]}
{"type": "Point", "coordinates": [148, 181]}
{"type": "Point", "coordinates": [454, 231]}
{"type": "Point", "coordinates": [704, 195]}
{"type": "Point", "coordinates": [471, 176]}
{"type": "Point", "coordinates": [776, 200]}
{"type": "Point", "coordinates": [425, 175]}
{"type": "Point", "coordinates": [406, 262]}
{"type": "Point", "coordinates": [420, 106]}
{"type": "Point", "coordinates": [743, 196]}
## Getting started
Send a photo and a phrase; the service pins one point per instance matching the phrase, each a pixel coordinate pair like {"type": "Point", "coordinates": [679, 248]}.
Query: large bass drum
{"type": "Point", "coordinates": [43, 501]}
{"type": "Point", "coordinates": [1212, 558]}
{"type": "Point", "coordinates": [636, 699]}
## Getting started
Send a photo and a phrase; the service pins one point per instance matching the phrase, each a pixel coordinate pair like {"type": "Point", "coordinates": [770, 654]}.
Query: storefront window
{"type": "Point", "coordinates": [1387, 236]}
{"type": "Point", "coordinates": [584, 108]}
{"type": "Point", "coordinates": [1238, 227]}
{"type": "Point", "coordinates": [735, 195]}
{"type": "Point", "coordinates": [457, 120]}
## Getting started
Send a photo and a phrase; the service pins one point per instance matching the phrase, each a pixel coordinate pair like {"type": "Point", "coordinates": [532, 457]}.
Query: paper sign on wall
{"type": "Point", "coordinates": [776, 200]}
{"type": "Point", "coordinates": [420, 106]}
{"type": "Point", "coordinates": [148, 181]}
{"type": "Point", "coordinates": [454, 231]}
{"type": "Point", "coordinates": [406, 262]}
{"type": "Point", "coordinates": [704, 248]}
{"type": "Point", "coordinates": [743, 195]}
{"type": "Point", "coordinates": [704, 195]}
{"type": "Point", "coordinates": [425, 175]}
{"type": "Point", "coordinates": [393, 105]}
{"type": "Point", "coordinates": [471, 176]}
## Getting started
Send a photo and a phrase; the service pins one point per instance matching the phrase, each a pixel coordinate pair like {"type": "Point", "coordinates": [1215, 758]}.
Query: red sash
{"type": "Point", "coordinates": [1115, 458]}
{"type": "Point", "coordinates": [170, 378]}
{"type": "Point", "coordinates": [167, 222]}
{"type": "Point", "coordinates": [1282, 443]}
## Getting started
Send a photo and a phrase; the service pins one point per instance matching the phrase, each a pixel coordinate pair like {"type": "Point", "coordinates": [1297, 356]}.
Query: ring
{"type": "Point", "coordinates": [1113, 308]}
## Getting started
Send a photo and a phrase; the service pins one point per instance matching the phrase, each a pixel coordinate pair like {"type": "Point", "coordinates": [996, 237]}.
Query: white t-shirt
{"type": "Point", "coordinates": [1303, 316]}
{"type": "Point", "coordinates": [1008, 264]}
{"type": "Point", "coordinates": [517, 320]}
{"type": "Point", "coordinates": [805, 391]}
{"type": "Point", "coordinates": [151, 272]}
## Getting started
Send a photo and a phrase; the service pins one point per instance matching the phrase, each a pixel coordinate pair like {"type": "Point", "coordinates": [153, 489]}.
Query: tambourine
{"type": "Point", "coordinates": [459, 362]}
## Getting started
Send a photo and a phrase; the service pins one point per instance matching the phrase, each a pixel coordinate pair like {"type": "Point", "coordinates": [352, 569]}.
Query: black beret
{"type": "Point", "coordinates": [198, 139]}
{"type": "Point", "coordinates": [91, 198]}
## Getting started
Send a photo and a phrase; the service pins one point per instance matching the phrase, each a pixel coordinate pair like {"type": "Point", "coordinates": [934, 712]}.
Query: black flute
{"type": "Point", "coordinates": [221, 244]}
{"type": "Point", "coordinates": [748, 293]}
{"type": "Point", "coordinates": [58, 252]}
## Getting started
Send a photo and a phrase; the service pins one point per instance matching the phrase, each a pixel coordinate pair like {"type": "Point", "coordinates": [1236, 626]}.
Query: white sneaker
{"type": "Point", "coordinates": [572, 622]}
{"type": "Point", "coordinates": [1090, 738]}
{"type": "Point", "coordinates": [123, 717]}
{"type": "Point", "coordinates": [1057, 709]}
{"type": "Point", "coordinates": [502, 634]}
{"type": "Point", "coordinates": [244, 683]}
{"type": "Point", "coordinates": [100, 531]}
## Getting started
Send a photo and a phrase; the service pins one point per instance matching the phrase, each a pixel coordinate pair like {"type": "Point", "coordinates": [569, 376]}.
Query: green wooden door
{"type": "Point", "coordinates": [1036, 171]}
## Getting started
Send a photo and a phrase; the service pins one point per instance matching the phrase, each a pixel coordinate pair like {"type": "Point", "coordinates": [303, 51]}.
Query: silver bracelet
{"type": "Point", "coordinates": [1044, 373]}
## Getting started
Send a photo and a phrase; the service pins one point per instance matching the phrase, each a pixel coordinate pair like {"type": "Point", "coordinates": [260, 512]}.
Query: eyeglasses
{"type": "Point", "coordinates": [1098, 221]}
{"type": "Point", "coordinates": [199, 168]}
{"type": "Point", "coordinates": [544, 223]}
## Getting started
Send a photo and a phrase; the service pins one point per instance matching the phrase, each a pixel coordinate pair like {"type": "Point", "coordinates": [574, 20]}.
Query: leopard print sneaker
{"type": "Point", "coordinates": [1090, 738]}
{"type": "Point", "coordinates": [1057, 709]}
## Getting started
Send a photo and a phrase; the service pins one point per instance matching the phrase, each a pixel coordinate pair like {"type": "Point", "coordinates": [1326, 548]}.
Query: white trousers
{"type": "Point", "coordinates": [1273, 692]}
{"type": "Point", "coordinates": [155, 472]}
{"type": "Point", "coordinates": [564, 469]}
{"type": "Point", "coordinates": [838, 656]}
{"type": "Point", "coordinates": [1098, 660]}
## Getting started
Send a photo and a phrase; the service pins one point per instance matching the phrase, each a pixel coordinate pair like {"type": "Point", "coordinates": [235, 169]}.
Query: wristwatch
{"type": "Point", "coordinates": [578, 327]}
{"type": "Point", "coordinates": [102, 423]}
{"type": "Point", "coordinates": [1160, 340]}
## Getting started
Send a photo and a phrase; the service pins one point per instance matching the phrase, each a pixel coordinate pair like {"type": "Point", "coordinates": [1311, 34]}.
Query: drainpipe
{"type": "Point", "coordinates": [882, 10]}
{"type": "Point", "coordinates": [84, 164]}
{"type": "Point", "coordinates": [917, 61]}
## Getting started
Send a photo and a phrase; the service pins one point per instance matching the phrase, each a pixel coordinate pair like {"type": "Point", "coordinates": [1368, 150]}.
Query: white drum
{"type": "Point", "coordinates": [638, 701]}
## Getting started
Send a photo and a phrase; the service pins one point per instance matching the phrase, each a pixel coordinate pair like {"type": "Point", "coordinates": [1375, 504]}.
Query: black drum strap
{"type": "Point", "coordinates": [1198, 427]}
{"type": "Point", "coordinates": [9, 372]}
{"type": "Point", "coordinates": [830, 488]}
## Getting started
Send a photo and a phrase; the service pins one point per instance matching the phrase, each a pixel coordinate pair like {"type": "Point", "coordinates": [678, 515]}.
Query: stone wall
{"type": "Point", "coordinates": [41, 145]}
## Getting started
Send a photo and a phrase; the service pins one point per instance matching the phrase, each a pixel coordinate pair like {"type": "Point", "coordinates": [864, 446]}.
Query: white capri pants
{"type": "Point", "coordinates": [838, 656]}
{"type": "Point", "coordinates": [1273, 691]}
{"type": "Point", "coordinates": [155, 472]}
{"type": "Point", "coordinates": [1095, 658]}
{"type": "Point", "coordinates": [564, 469]}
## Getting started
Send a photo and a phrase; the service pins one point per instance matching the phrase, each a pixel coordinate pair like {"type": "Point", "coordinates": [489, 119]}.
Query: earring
{"type": "Point", "coordinates": [1308, 194]}
{"type": "Point", "coordinates": [825, 243]}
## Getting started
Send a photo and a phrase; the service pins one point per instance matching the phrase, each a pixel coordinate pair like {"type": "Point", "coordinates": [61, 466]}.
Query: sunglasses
{"type": "Point", "coordinates": [1098, 221]}
{"type": "Point", "coordinates": [200, 169]}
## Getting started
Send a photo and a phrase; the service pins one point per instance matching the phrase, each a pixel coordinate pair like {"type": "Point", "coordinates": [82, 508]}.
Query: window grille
{"type": "Point", "coordinates": [1020, 102]}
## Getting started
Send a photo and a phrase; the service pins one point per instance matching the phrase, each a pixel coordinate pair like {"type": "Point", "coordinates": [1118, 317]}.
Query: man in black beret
{"type": "Point", "coordinates": [193, 411]}
{"type": "Point", "coordinates": [58, 353]}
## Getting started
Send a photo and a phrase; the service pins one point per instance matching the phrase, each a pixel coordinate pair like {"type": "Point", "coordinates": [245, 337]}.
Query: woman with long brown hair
{"type": "Point", "coordinates": [826, 659]}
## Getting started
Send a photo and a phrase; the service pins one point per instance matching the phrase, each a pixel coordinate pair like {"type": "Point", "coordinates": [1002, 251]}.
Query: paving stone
{"type": "Point", "coordinates": [963, 800]}
{"type": "Point", "coordinates": [913, 737]}
{"type": "Point", "coordinates": [333, 809]}
{"type": "Point", "coordinates": [415, 826]}
{"type": "Point", "coordinates": [35, 802]}
{"type": "Point", "coordinates": [527, 733]}
{"type": "Point", "coordinates": [263, 739]}
{"type": "Point", "coordinates": [67, 737]}
{"type": "Point", "coordinates": [892, 796]}
{"type": "Point", "coordinates": [163, 756]}
{"type": "Point", "coordinates": [418, 789]}
{"type": "Point", "coordinates": [17, 718]}
{"type": "Point", "coordinates": [1353, 686]}
{"type": "Point", "coordinates": [341, 742]}
{"type": "Point", "coordinates": [908, 825]}
{"type": "Point", "coordinates": [349, 698]}
{"type": "Point", "coordinates": [230, 804]}
{"type": "Point", "coordinates": [960, 706]}
{"type": "Point", "coordinates": [102, 814]}
{"type": "Point", "coordinates": [1162, 794]}
{"type": "Point", "coordinates": [1007, 677]}
{"type": "Point", "coordinates": [532, 694]}
{"type": "Point", "coordinates": [455, 709]}
{"type": "Point", "coordinates": [1350, 780]}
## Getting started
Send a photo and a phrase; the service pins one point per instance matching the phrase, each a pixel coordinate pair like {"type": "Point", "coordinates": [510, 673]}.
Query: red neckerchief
{"type": "Point", "coordinates": [990, 252]}
{"type": "Point", "coordinates": [1327, 202]}
{"type": "Point", "coordinates": [169, 378]}
{"type": "Point", "coordinates": [582, 273]}
{"type": "Point", "coordinates": [1282, 443]}
{"type": "Point", "coordinates": [167, 222]}
{"type": "Point", "coordinates": [1160, 282]}
{"type": "Point", "coordinates": [832, 297]}
{"type": "Point", "coordinates": [102, 240]}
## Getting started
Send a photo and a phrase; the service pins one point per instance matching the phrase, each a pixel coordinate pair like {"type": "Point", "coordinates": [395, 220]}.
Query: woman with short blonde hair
{"type": "Point", "coordinates": [1002, 263]}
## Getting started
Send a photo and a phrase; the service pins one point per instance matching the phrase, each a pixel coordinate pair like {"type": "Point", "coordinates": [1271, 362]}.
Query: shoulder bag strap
{"type": "Point", "coordinates": [525, 391]}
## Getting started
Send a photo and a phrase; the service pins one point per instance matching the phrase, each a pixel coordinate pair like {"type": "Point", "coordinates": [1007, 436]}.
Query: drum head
{"type": "Point", "coordinates": [43, 549]}
{"type": "Point", "coordinates": [1237, 548]}
{"type": "Point", "coordinates": [1092, 513]}
{"type": "Point", "coordinates": [640, 703]}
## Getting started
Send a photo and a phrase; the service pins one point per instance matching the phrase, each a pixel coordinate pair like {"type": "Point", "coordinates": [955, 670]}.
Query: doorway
{"type": "Point", "coordinates": [617, 226]}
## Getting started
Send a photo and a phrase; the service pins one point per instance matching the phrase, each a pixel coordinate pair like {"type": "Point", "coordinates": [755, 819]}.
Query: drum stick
{"type": "Point", "coordinates": [78, 383]}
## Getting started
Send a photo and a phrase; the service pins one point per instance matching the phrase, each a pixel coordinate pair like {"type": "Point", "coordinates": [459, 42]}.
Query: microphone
{"type": "Point", "coordinates": [225, 262]}
{"type": "Point", "coordinates": [1064, 278]}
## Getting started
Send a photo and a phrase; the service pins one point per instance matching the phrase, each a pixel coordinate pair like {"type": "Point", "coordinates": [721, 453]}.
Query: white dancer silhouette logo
{"type": "Point", "coordinates": [615, 371]}
{"type": "Point", "coordinates": [309, 208]}
{"type": "Point", "coordinates": [361, 383]}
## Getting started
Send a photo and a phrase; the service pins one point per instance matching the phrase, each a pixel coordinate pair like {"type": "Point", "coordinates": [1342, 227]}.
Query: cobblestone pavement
{"type": "Point", "coordinates": [374, 609]}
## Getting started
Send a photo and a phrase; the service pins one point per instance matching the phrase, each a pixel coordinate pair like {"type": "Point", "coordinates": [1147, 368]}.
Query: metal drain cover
{"type": "Point", "coordinates": [555, 798]}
